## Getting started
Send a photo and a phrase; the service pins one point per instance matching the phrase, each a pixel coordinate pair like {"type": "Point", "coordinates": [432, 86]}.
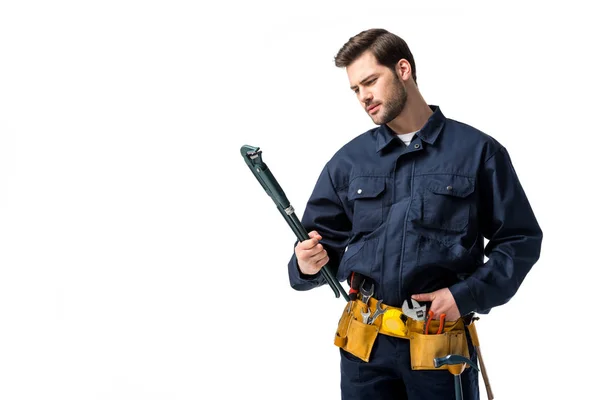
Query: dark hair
{"type": "Point", "coordinates": [387, 48]}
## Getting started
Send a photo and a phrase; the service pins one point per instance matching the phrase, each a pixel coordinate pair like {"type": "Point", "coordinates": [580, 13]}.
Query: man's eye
{"type": "Point", "coordinates": [371, 82]}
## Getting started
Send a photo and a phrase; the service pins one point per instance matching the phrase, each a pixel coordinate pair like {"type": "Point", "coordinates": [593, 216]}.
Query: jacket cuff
{"type": "Point", "coordinates": [302, 275]}
{"type": "Point", "coordinates": [463, 298]}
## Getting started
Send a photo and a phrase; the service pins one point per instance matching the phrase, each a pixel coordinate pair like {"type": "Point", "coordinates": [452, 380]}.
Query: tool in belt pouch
{"type": "Point", "coordinates": [357, 331]}
{"type": "Point", "coordinates": [359, 325]}
{"type": "Point", "coordinates": [425, 347]}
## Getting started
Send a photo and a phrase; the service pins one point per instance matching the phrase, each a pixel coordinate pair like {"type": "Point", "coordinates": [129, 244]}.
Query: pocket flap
{"type": "Point", "coordinates": [452, 185]}
{"type": "Point", "coordinates": [366, 187]}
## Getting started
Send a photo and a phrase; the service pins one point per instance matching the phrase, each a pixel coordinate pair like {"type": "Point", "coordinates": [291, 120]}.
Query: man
{"type": "Point", "coordinates": [407, 205]}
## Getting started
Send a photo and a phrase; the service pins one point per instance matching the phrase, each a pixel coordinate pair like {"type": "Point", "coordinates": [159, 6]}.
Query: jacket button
{"type": "Point", "coordinates": [417, 145]}
{"type": "Point", "coordinates": [359, 191]}
{"type": "Point", "coordinates": [448, 187]}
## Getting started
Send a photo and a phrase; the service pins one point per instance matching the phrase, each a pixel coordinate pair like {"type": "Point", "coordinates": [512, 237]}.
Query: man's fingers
{"type": "Point", "coordinates": [312, 264]}
{"type": "Point", "coordinates": [423, 296]}
{"type": "Point", "coordinates": [309, 246]}
{"type": "Point", "coordinates": [318, 251]}
{"type": "Point", "coordinates": [318, 256]}
{"type": "Point", "coordinates": [309, 243]}
{"type": "Point", "coordinates": [311, 252]}
{"type": "Point", "coordinates": [314, 234]}
{"type": "Point", "coordinates": [315, 250]}
{"type": "Point", "coordinates": [321, 260]}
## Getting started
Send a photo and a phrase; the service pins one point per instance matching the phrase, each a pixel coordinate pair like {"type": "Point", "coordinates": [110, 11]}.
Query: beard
{"type": "Point", "coordinates": [394, 106]}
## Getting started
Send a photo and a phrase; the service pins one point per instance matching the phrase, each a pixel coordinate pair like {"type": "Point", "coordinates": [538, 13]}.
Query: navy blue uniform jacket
{"type": "Point", "coordinates": [414, 218]}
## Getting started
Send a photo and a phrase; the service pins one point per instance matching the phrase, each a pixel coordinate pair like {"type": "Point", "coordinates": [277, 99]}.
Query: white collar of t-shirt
{"type": "Point", "coordinates": [407, 137]}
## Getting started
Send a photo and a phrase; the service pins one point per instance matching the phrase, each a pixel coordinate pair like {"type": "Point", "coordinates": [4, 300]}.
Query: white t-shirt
{"type": "Point", "coordinates": [407, 137]}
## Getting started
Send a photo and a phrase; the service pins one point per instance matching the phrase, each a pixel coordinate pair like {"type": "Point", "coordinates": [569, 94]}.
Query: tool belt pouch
{"type": "Point", "coordinates": [424, 348]}
{"type": "Point", "coordinates": [354, 336]}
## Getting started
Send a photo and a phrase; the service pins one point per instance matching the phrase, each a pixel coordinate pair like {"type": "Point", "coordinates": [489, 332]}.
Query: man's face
{"type": "Point", "coordinates": [379, 90]}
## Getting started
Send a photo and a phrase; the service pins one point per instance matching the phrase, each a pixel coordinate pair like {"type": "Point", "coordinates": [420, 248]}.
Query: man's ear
{"type": "Point", "coordinates": [403, 69]}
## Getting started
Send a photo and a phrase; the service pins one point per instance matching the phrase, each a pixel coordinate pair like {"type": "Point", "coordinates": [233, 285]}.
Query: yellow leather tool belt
{"type": "Point", "coordinates": [356, 333]}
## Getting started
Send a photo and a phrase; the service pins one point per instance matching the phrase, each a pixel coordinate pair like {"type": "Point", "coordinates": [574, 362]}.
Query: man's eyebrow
{"type": "Point", "coordinates": [363, 81]}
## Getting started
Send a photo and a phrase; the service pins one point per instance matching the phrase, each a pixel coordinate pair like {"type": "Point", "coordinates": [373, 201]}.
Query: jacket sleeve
{"type": "Point", "coordinates": [326, 214]}
{"type": "Point", "coordinates": [507, 221]}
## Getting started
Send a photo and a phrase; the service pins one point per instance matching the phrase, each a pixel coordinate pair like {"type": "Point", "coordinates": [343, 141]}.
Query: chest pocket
{"type": "Point", "coordinates": [447, 202]}
{"type": "Point", "coordinates": [367, 195]}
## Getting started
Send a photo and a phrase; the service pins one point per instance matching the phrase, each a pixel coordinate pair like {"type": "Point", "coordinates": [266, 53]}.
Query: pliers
{"type": "Point", "coordinates": [356, 281]}
{"type": "Point", "coordinates": [428, 319]}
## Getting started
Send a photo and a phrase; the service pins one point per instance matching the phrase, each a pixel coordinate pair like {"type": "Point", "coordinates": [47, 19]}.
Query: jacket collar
{"type": "Point", "coordinates": [428, 133]}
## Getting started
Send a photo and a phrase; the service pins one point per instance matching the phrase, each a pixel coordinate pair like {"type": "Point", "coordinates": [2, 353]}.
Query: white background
{"type": "Point", "coordinates": [141, 259]}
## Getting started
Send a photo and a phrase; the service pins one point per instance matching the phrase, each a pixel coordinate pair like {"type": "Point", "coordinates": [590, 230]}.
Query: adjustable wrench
{"type": "Point", "coordinates": [414, 310]}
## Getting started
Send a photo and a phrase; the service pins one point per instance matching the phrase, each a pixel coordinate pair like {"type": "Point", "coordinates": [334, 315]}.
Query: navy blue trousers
{"type": "Point", "coordinates": [388, 375]}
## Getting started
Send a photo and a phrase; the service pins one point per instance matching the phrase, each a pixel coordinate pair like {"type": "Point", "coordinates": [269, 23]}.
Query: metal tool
{"type": "Point", "coordinates": [456, 365]}
{"type": "Point", "coordinates": [366, 294]}
{"type": "Point", "coordinates": [366, 316]}
{"type": "Point", "coordinates": [355, 282]}
{"type": "Point", "coordinates": [414, 310]}
{"type": "Point", "coordinates": [349, 306]}
{"type": "Point", "coordinates": [253, 158]}
{"type": "Point", "coordinates": [378, 311]}
{"type": "Point", "coordinates": [428, 321]}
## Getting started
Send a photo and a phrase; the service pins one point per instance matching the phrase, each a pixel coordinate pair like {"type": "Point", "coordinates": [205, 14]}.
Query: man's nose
{"type": "Point", "coordinates": [365, 96]}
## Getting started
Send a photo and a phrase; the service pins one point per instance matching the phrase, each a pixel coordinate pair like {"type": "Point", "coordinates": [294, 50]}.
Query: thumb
{"type": "Point", "coordinates": [423, 297]}
{"type": "Point", "coordinates": [314, 234]}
